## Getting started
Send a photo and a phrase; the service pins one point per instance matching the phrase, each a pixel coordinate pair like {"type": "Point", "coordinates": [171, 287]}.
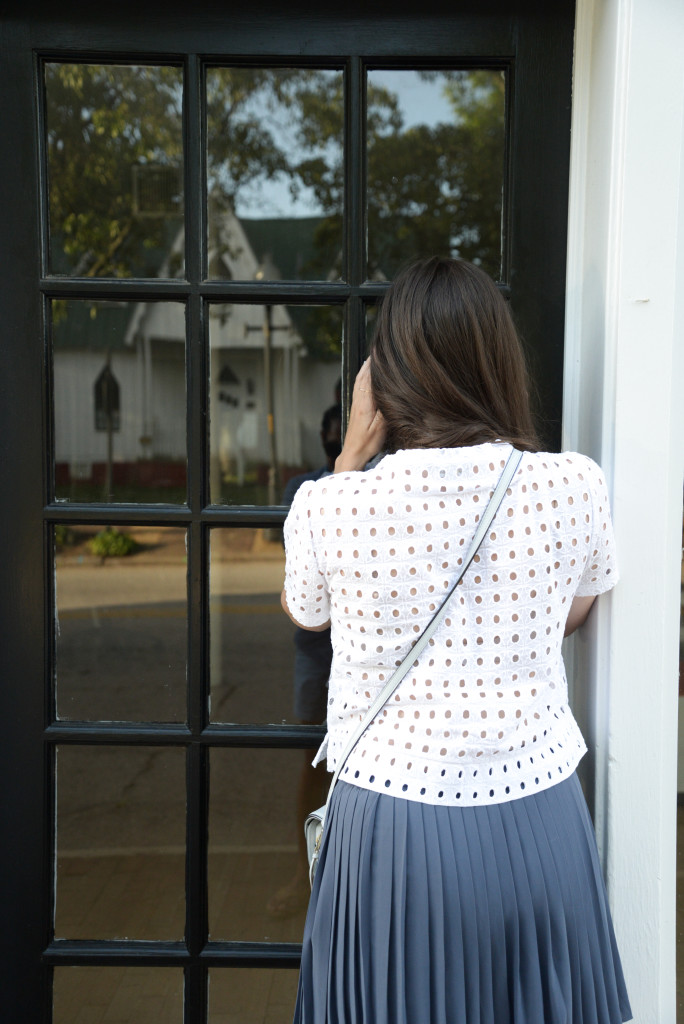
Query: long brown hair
{"type": "Point", "coordinates": [447, 366]}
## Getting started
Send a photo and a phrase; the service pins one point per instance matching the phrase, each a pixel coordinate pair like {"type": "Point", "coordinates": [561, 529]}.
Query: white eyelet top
{"type": "Point", "coordinates": [482, 717]}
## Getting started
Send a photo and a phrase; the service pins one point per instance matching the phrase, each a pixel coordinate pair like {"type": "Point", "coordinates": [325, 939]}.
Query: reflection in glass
{"type": "Point", "coordinates": [258, 877]}
{"type": "Point", "coordinates": [435, 167]}
{"type": "Point", "coordinates": [119, 401]}
{"type": "Point", "coordinates": [120, 843]}
{"type": "Point", "coordinates": [251, 996]}
{"type": "Point", "coordinates": [275, 172]}
{"type": "Point", "coordinates": [252, 652]}
{"type": "Point", "coordinates": [115, 168]}
{"type": "Point", "coordinates": [274, 372]}
{"type": "Point", "coordinates": [371, 312]}
{"type": "Point", "coordinates": [121, 623]}
{"type": "Point", "coordinates": [144, 995]}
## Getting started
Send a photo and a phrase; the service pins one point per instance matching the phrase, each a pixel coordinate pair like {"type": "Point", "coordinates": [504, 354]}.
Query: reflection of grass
{"type": "Point", "coordinates": [159, 544]}
{"type": "Point", "coordinates": [112, 543]}
{"type": "Point", "coordinates": [149, 541]}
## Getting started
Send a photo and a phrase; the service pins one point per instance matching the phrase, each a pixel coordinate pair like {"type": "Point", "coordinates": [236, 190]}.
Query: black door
{"type": "Point", "coordinates": [201, 211]}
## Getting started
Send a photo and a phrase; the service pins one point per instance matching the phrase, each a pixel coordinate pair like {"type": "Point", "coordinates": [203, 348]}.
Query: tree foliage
{"type": "Point", "coordinates": [102, 121]}
{"type": "Point", "coordinates": [432, 187]}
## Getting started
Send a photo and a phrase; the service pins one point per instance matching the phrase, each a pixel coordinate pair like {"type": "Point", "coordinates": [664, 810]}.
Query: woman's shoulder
{"type": "Point", "coordinates": [323, 490]}
{"type": "Point", "coordinates": [569, 464]}
{"type": "Point", "coordinates": [492, 455]}
{"type": "Point", "coordinates": [481, 462]}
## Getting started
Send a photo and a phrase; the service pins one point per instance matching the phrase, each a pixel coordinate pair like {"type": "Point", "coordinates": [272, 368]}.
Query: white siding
{"type": "Point", "coordinates": [157, 411]}
{"type": "Point", "coordinates": [76, 440]}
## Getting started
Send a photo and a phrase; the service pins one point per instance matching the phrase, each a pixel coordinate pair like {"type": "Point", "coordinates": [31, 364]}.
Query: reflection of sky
{"type": "Point", "coordinates": [420, 102]}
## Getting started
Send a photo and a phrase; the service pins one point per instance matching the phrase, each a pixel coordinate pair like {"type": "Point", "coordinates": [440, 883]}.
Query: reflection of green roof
{"type": "Point", "coordinates": [291, 245]}
{"type": "Point", "coordinates": [290, 242]}
{"type": "Point", "coordinates": [144, 258]}
{"type": "Point", "coordinates": [75, 327]}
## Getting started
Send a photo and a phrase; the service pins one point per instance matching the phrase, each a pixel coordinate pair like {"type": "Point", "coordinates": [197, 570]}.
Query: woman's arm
{"type": "Point", "coordinates": [579, 609]}
{"type": "Point", "coordinates": [311, 629]}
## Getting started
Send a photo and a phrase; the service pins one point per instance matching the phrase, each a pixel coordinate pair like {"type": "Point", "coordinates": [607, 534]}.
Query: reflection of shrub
{"type": "Point", "coordinates": [64, 536]}
{"type": "Point", "coordinates": [112, 543]}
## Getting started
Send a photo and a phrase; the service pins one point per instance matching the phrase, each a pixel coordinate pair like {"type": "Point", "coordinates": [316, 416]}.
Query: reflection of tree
{"type": "Point", "coordinates": [107, 121]}
{"type": "Point", "coordinates": [437, 188]}
{"type": "Point", "coordinates": [431, 188]}
{"type": "Point", "coordinates": [103, 121]}
{"type": "Point", "coordinates": [321, 329]}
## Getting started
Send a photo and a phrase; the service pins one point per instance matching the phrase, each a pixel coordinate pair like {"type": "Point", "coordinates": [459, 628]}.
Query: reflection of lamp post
{"type": "Point", "coordinates": [267, 271]}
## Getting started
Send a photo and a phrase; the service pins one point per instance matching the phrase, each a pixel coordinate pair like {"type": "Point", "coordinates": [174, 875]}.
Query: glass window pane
{"type": "Point", "coordinates": [95, 995]}
{"type": "Point", "coordinates": [120, 843]}
{"type": "Point", "coordinates": [119, 401]}
{"type": "Point", "coordinates": [240, 996]}
{"type": "Point", "coordinates": [121, 625]}
{"type": "Point", "coordinates": [274, 372]}
{"type": "Point", "coordinates": [371, 317]}
{"type": "Point", "coordinates": [115, 169]}
{"type": "Point", "coordinates": [436, 143]}
{"type": "Point", "coordinates": [260, 670]}
{"type": "Point", "coordinates": [258, 876]}
{"type": "Point", "coordinates": [275, 173]}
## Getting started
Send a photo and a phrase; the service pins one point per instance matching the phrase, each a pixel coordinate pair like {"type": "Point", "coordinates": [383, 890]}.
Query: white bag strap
{"type": "Point", "coordinates": [423, 640]}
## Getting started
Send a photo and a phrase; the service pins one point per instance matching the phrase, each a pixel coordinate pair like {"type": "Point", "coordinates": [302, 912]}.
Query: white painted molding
{"type": "Point", "coordinates": [624, 406]}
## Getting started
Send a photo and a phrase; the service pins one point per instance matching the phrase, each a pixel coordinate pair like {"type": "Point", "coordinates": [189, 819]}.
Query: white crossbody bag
{"type": "Point", "coordinates": [313, 827]}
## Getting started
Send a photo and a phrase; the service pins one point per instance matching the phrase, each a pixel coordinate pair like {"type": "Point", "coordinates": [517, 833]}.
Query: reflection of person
{"type": "Point", "coordinates": [313, 655]}
{"type": "Point", "coordinates": [458, 880]}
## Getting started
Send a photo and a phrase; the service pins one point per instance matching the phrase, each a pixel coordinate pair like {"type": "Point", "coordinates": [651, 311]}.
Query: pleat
{"type": "Point", "coordinates": [424, 914]}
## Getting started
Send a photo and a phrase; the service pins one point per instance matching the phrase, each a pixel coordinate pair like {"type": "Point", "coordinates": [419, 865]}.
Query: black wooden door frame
{"type": "Point", "coordinates": [534, 41]}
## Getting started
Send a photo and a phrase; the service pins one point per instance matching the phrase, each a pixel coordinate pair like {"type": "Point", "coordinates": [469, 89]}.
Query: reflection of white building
{"type": "Point", "coordinates": [145, 345]}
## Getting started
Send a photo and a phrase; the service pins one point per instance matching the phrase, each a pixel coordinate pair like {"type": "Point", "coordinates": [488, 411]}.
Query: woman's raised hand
{"type": "Point", "coordinates": [366, 428]}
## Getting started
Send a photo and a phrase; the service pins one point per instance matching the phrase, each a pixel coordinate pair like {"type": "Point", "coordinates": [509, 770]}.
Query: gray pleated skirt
{"type": "Point", "coordinates": [460, 915]}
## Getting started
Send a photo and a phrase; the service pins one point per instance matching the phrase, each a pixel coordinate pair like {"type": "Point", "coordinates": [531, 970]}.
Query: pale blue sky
{"type": "Point", "coordinates": [421, 103]}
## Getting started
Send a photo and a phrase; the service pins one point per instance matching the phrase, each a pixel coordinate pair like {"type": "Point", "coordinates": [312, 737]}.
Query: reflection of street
{"type": "Point", "coordinates": [121, 811]}
{"type": "Point", "coordinates": [122, 630]}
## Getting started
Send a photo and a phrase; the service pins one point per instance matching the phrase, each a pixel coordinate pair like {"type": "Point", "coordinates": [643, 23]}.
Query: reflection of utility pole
{"type": "Point", "coordinates": [267, 271]}
{"type": "Point", "coordinates": [267, 329]}
{"type": "Point", "coordinates": [268, 387]}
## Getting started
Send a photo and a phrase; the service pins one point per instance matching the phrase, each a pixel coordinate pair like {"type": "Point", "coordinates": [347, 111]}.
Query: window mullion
{"type": "Point", "coordinates": [354, 172]}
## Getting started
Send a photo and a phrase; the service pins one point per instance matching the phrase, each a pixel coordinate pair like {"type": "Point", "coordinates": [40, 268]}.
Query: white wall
{"type": "Point", "coordinates": [167, 400]}
{"type": "Point", "coordinates": [75, 373]}
{"type": "Point", "coordinates": [155, 408]}
{"type": "Point", "coordinates": [624, 405]}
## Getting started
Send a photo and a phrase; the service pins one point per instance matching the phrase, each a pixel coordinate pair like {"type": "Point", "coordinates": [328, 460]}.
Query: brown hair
{"type": "Point", "coordinates": [447, 366]}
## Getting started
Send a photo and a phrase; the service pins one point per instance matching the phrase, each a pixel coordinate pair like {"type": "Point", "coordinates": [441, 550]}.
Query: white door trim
{"type": "Point", "coordinates": [624, 406]}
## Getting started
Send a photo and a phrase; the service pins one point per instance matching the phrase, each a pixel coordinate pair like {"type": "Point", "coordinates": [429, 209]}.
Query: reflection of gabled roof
{"type": "Point", "coordinates": [146, 262]}
{"type": "Point", "coordinates": [108, 328]}
{"type": "Point", "coordinates": [79, 329]}
{"type": "Point", "coordinates": [290, 242]}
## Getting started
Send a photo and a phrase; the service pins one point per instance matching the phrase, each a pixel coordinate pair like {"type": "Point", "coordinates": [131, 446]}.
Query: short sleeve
{"type": "Point", "coordinates": [600, 571]}
{"type": "Point", "coordinates": [305, 586]}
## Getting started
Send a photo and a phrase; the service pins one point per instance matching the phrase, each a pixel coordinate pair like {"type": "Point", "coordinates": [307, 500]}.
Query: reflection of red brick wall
{"type": "Point", "coordinates": [147, 473]}
{"type": "Point", "coordinates": [285, 473]}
